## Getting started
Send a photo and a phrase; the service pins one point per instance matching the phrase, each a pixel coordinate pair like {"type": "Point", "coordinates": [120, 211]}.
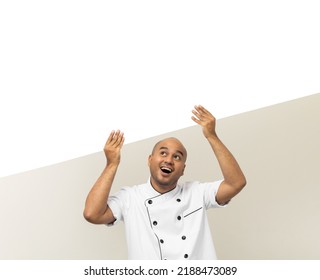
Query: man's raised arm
{"type": "Point", "coordinates": [96, 208]}
{"type": "Point", "coordinates": [234, 180]}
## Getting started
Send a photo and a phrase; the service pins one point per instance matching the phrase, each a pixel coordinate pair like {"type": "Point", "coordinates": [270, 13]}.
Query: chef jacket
{"type": "Point", "coordinates": [172, 225]}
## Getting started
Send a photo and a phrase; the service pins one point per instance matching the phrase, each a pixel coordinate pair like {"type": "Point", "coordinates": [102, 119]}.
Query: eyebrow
{"type": "Point", "coordinates": [177, 151]}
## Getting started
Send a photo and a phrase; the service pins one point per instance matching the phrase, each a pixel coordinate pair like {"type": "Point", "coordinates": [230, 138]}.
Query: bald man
{"type": "Point", "coordinates": [166, 219]}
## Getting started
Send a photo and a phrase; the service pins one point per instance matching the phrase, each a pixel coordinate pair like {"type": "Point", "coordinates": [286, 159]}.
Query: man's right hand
{"type": "Point", "coordinates": [113, 147]}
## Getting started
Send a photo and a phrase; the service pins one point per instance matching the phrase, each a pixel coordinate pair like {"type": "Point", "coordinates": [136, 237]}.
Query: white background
{"type": "Point", "coordinates": [71, 71]}
{"type": "Point", "coordinates": [264, 270]}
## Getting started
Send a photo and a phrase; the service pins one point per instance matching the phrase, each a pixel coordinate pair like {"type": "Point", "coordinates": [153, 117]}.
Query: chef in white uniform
{"type": "Point", "coordinates": [165, 219]}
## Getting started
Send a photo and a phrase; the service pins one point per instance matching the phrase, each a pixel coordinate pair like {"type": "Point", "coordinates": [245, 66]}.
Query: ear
{"type": "Point", "coordinates": [183, 170]}
{"type": "Point", "coordinates": [149, 160]}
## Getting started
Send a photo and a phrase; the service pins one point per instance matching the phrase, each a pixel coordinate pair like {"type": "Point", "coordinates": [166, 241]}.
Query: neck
{"type": "Point", "coordinates": [162, 188]}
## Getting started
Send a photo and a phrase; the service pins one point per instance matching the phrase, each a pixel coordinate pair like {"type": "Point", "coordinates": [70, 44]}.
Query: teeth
{"type": "Point", "coordinates": [166, 169]}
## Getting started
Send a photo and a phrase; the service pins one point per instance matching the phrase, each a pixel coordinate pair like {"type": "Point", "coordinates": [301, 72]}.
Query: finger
{"type": "Point", "coordinates": [115, 139]}
{"type": "Point", "coordinates": [122, 141]}
{"type": "Point", "coordinates": [202, 110]}
{"type": "Point", "coordinates": [196, 120]}
{"type": "Point", "coordinates": [199, 111]}
{"type": "Point", "coordinates": [204, 113]}
{"type": "Point", "coordinates": [196, 113]}
{"type": "Point", "coordinates": [111, 135]}
{"type": "Point", "coordinates": [200, 107]}
{"type": "Point", "coordinates": [200, 117]}
{"type": "Point", "coordinates": [119, 140]}
{"type": "Point", "coordinates": [117, 133]}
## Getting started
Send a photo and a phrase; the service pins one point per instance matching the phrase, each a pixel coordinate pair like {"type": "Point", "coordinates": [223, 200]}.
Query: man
{"type": "Point", "coordinates": [166, 219]}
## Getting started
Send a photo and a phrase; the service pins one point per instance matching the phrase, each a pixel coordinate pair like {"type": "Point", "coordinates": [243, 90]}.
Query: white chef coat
{"type": "Point", "coordinates": [168, 226]}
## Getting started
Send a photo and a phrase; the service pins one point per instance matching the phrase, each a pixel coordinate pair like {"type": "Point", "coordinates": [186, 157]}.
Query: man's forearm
{"type": "Point", "coordinates": [96, 202]}
{"type": "Point", "coordinates": [230, 168]}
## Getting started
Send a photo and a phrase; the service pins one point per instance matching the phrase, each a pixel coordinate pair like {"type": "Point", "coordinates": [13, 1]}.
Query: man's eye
{"type": "Point", "coordinates": [177, 157]}
{"type": "Point", "coordinates": [163, 153]}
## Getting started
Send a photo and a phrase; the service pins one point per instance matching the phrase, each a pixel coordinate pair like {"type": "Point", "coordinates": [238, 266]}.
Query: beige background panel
{"type": "Point", "coordinates": [275, 217]}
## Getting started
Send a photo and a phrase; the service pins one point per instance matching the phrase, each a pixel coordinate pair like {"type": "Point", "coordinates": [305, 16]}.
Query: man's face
{"type": "Point", "coordinates": [167, 163]}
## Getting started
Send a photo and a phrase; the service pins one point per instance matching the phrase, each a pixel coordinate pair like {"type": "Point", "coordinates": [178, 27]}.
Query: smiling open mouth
{"type": "Point", "coordinates": [166, 170]}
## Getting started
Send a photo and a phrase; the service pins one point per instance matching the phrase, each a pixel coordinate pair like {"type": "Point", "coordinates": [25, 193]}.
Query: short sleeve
{"type": "Point", "coordinates": [117, 203]}
{"type": "Point", "coordinates": [210, 192]}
